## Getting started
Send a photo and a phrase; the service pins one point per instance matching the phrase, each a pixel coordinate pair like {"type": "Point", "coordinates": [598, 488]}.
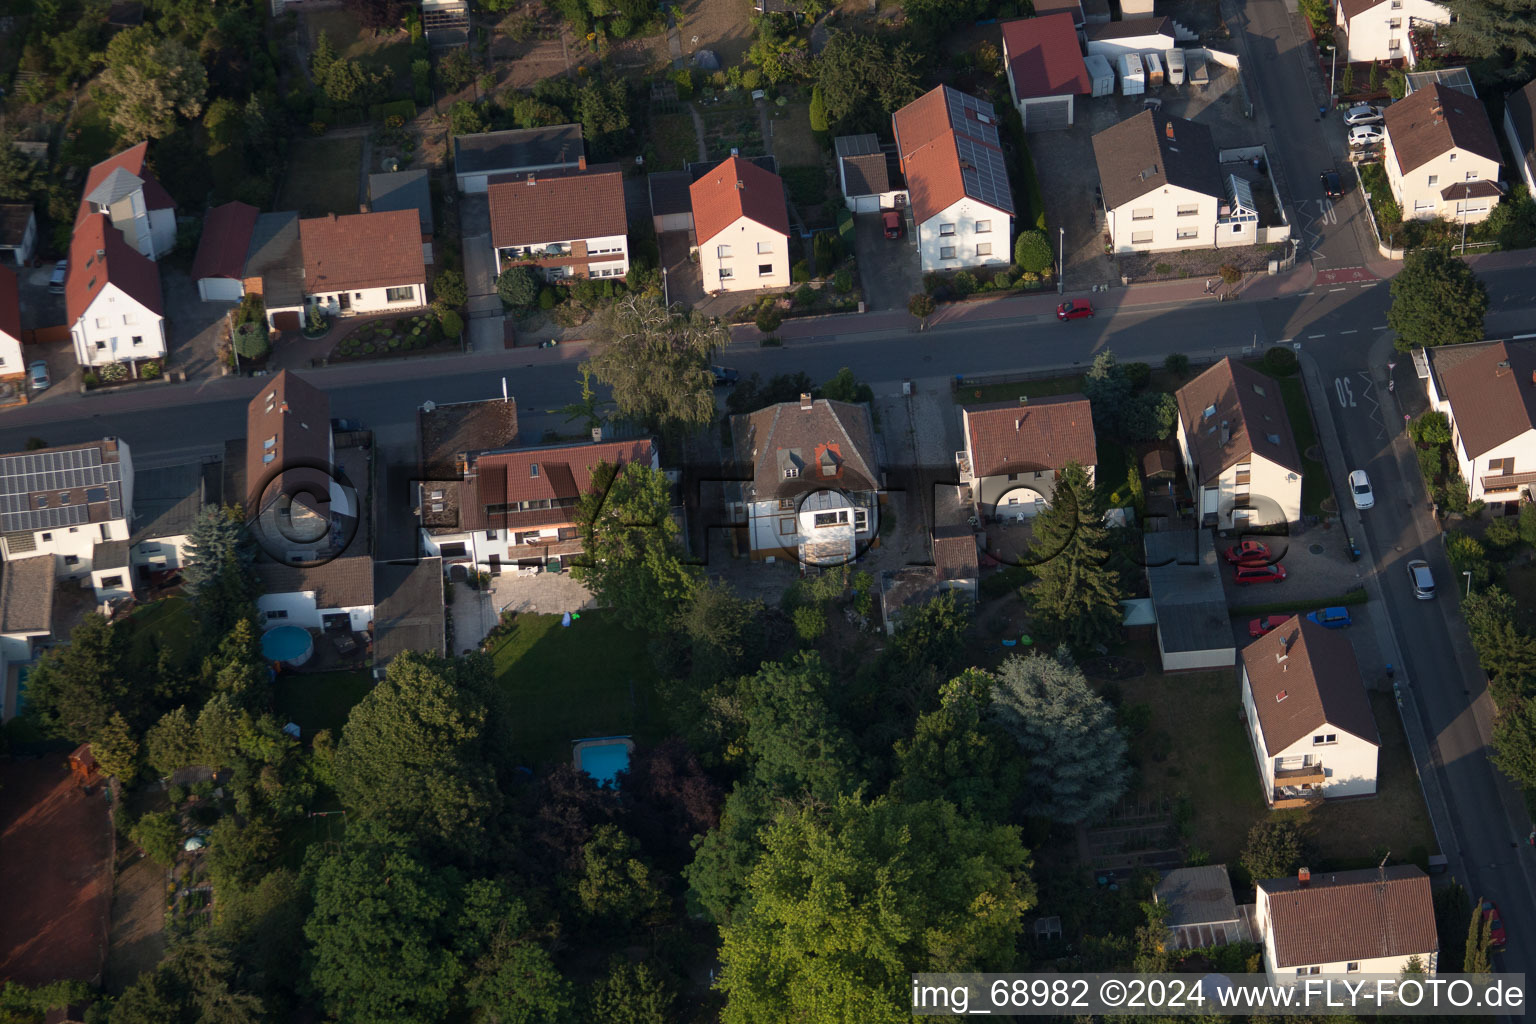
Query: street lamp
{"type": "Point", "coordinates": [1468, 575]}
{"type": "Point", "coordinates": [1061, 260]}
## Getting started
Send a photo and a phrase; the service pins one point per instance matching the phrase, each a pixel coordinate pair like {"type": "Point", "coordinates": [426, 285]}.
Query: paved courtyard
{"type": "Point", "coordinates": [889, 268]}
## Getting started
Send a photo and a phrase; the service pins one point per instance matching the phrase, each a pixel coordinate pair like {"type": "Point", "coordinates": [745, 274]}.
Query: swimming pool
{"type": "Point", "coordinates": [603, 757]}
{"type": "Point", "coordinates": [288, 644]}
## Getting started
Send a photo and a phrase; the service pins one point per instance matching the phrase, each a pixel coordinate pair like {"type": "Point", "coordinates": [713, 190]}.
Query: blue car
{"type": "Point", "coordinates": [1331, 618]}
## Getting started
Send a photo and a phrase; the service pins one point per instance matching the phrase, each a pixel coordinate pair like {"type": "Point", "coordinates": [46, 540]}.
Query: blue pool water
{"type": "Point", "coordinates": [604, 761]}
{"type": "Point", "coordinates": [286, 643]}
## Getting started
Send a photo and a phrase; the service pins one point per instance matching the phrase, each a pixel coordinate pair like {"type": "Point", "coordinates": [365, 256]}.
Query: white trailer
{"type": "Point", "coordinates": [1174, 60]}
{"type": "Point", "coordinates": [1133, 81]}
{"type": "Point", "coordinates": [1100, 74]}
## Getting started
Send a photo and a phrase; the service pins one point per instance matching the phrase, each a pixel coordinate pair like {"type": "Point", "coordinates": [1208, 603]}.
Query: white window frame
{"type": "Point", "coordinates": [764, 248]}
{"type": "Point", "coordinates": [983, 227]}
{"type": "Point", "coordinates": [947, 252]}
{"type": "Point", "coordinates": [722, 252]}
{"type": "Point", "coordinates": [946, 230]}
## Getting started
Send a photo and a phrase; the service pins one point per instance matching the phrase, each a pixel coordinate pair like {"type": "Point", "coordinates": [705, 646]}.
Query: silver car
{"type": "Point", "coordinates": [37, 375]}
{"type": "Point", "coordinates": [1363, 113]}
{"type": "Point", "coordinates": [1422, 579]}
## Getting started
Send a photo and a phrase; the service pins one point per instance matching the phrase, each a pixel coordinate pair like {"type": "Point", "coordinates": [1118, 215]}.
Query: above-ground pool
{"type": "Point", "coordinates": [603, 757]}
{"type": "Point", "coordinates": [287, 644]}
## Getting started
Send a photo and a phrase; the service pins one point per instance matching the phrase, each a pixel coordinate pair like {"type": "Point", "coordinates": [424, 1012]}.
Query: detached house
{"type": "Point", "coordinates": [122, 188]}
{"type": "Point", "coordinates": [73, 502]}
{"type": "Point", "coordinates": [1014, 452]}
{"type": "Point", "coordinates": [1161, 182]}
{"type": "Point", "coordinates": [1488, 392]}
{"type": "Point", "coordinates": [741, 224]}
{"type": "Point", "coordinates": [1520, 131]}
{"type": "Point", "coordinates": [1239, 453]}
{"type": "Point", "coordinates": [112, 297]}
{"type": "Point", "coordinates": [293, 498]}
{"type": "Point", "coordinates": [1442, 158]}
{"type": "Point", "coordinates": [1378, 29]}
{"type": "Point", "coordinates": [1372, 921]}
{"type": "Point", "coordinates": [363, 263]}
{"type": "Point", "coordinates": [1309, 719]}
{"type": "Point", "coordinates": [958, 180]}
{"type": "Point", "coordinates": [569, 224]}
{"type": "Point", "coordinates": [1044, 62]}
{"type": "Point", "coordinates": [814, 495]}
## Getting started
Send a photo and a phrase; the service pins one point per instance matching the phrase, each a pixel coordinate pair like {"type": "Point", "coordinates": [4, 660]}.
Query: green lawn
{"type": "Point", "coordinates": [793, 141]}
{"type": "Point", "coordinates": [322, 176]}
{"type": "Point", "coordinates": [93, 138]}
{"type": "Point", "coordinates": [1314, 475]}
{"type": "Point", "coordinates": [170, 622]}
{"type": "Point", "coordinates": [320, 700]}
{"type": "Point", "coordinates": [593, 679]}
{"type": "Point", "coordinates": [387, 53]}
{"type": "Point", "coordinates": [1067, 385]}
{"type": "Point", "coordinates": [675, 141]}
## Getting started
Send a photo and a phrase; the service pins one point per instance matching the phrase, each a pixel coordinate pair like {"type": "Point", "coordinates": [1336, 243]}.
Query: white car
{"type": "Point", "coordinates": [1360, 490]}
{"type": "Point", "coordinates": [1363, 113]}
{"type": "Point", "coordinates": [1366, 135]}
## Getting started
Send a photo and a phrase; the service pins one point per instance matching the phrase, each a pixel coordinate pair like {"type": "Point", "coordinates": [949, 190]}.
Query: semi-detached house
{"type": "Point", "coordinates": [112, 297]}
{"type": "Point", "coordinates": [1161, 183]}
{"type": "Point", "coordinates": [568, 224]}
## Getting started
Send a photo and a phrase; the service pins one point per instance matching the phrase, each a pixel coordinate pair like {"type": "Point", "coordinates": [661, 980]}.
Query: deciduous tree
{"type": "Point", "coordinates": [1514, 742]}
{"type": "Point", "coordinates": [793, 742]}
{"type": "Point", "coordinates": [1275, 849]}
{"type": "Point", "coordinates": [1076, 595]}
{"type": "Point", "coordinates": [149, 83]}
{"type": "Point", "coordinates": [633, 994]}
{"type": "Point", "coordinates": [75, 688]}
{"type": "Point", "coordinates": [633, 559]}
{"type": "Point", "coordinates": [1436, 300]}
{"type": "Point", "coordinates": [960, 754]}
{"type": "Point", "coordinates": [616, 887]}
{"type": "Point", "coordinates": [863, 78]}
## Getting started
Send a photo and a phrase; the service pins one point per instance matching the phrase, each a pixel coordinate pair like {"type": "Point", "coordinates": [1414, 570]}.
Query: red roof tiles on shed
{"type": "Point", "coordinates": [735, 189]}
{"type": "Point", "coordinates": [226, 237]}
{"type": "Point", "coordinates": [1044, 57]}
{"type": "Point", "coordinates": [362, 250]}
{"type": "Point", "coordinates": [118, 262]}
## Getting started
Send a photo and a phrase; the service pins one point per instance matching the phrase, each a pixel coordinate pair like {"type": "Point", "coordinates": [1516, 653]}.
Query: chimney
{"type": "Point", "coordinates": [1303, 877]}
{"type": "Point", "coordinates": [581, 162]}
{"type": "Point", "coordinates": [597, 434]}
{"type": "Point", "coordinates": [100, 253]}
{"type": "Point", "coordinates": [1498, 371]}
{"type": "Point", "coordinates": [740, 184]}
{"type": "Point", "coordinates": [1023, 399]}
{"type": "Point", "coordinates": [1438, 111]}
{"type": "Point", "coordinates": [735, 151]}
{"type": "Point", "coordinates": [806, 402]}
{"type": "Point", "coordinates": [1168, 130]}
{"type": "Point", "coordinates": [533, 178]}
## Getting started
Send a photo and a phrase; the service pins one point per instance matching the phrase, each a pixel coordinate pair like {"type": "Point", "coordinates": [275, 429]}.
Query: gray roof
{"type": "Point", "coordinates": [66, 486]}
{"type": "Point", "coordinates": [275, 257]}
{"type": "Point", "coordinates": [1132, 29]}
{"type": "Point", "coordinates": [167, 499]}
{"type": "Point", "coordinates": [857, 145]}
{"type": "Point", "coordinates": [521, 149]}
{"type": "Point", "coordinates": [669, 193]}
{"type": "Point", "coordinates": [402, 190]}
{"type": "Point", "coordinates": [14, 220]}
{"type": "Point", "coordinates": [115, 186]}
{"type": "Point", "coordinates": [409, 611]}
{"type": "Point", "coordinates": [26, 595]}
{"type": "Point", "coordinates": [345, 582]}
{"type": "Point", "coordinates": [1200, 895]}
{"type": "Point", "coordinates": [109, 554]}
{"type": "Point", "coordinates": [828, 446]}
{"type": "Point", "coordinates": [1185, 581]}
{"type": "Point", "coordinates": [1139, 155]}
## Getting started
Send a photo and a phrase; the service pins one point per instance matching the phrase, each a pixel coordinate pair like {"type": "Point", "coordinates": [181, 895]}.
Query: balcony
{"type": "Point", "coordinates": [1312, 775]}
{"type": "Point", "coordinates": [1296, 801]}
{"type": "Point", "coordinates": [963, 464]}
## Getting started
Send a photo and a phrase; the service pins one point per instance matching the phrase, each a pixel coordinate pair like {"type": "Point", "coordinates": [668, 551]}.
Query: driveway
{"type": "Point", "coordinates": [193, 327]}
{"type": "Point", "coordinates": [683, 281]}
{"type": "Point", "coordinates": [479, 265]}
{"type": "Point", "coordinates": [890, 270]}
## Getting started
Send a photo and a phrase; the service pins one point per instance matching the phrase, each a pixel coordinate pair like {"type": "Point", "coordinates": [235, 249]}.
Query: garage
{"type": "Point", "coordinates": [471, 183]}
{"type": "Point", "coordinates": [479, 158]}
{"type": "Point", "coordinates": [1047, 114]}
{"type": "Point", "coordinates": [866, 204]}
{"type": "Point", "coordinates": [220, 289]}
{"type": "Point", "coordinates": [287, 320]}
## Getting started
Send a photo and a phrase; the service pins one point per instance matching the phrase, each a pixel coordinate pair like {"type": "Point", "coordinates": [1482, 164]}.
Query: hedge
{"type": "Point", "coordinates": [405, 109]}
{"type": "Point", "coordinates": [1349, 597]}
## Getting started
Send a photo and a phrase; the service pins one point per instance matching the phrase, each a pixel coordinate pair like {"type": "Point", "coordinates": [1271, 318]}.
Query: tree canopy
{"type": "Point", "coordinates": [1436, 300]}
{"type": "Point", "coordinates": [656, 360]}
{"type": "Point", "coordinates": [1123, 410]}
{"type": "Point", "coordinates": [862, 78]}
{"type": "Point", "coordinates": [959, 753]}
{"type": "Point", "coordinates": [149, 83]}
{"type": "Point", "coordinates": [217, 573]}
{"type": "Point", "coordinates": [1496, 28]}
{"type": "Point", "coordinates": [1076, 594]}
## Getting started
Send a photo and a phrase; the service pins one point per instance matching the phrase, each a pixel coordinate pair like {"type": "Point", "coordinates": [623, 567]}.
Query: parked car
{"type": "Point", "coordinates": [1490, 912]}
{"type": "Point", "coordinates": [1266, 623]}
{"type": "Point", "coordinates": [1248, 552]}
{"type": "Point", "coordinates": [724, 375]}
{"type": "Point", "coordinates": [37, 375]}
{"type": "Point", "coordinates": [1366, 135]}
{"type": "Point", "coordinates": [1333, 186]}
{"type": "Point", "coordinates": [1259, 574]}
{"type": "Point", "coordinates": [1073, 310]}
{"type": "Point", "coordinates": [1337, 617]}
{"type": "Point", "coordinates": [1422, 580]}
{"type": "Point", "coordinates": [893, 226]}
{"type": "Point", "coordinates": [1363, 113]}
{"type": "Point", "coordinates": [60, 275]}
{"type": "Point", "coordinates": [1360, 490]}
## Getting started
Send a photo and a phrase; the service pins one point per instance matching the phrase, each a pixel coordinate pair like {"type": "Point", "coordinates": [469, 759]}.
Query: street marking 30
{"type": "Point", "coordinates": [1346, 392]}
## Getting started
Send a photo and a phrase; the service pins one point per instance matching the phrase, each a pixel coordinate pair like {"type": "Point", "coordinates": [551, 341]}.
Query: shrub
{"type": "Point", "coordinates": [1138, 374]}
{"type": "Point", "coordinates": [1280, 361]}
{"type": "Point", "coordinates": [518, 287]}
{"type": "Point", "coordinates": [89, 379]}
{"type": "Point", "coordinates": [818, 111]}
{"type": "Point", "coordinates": [964, 283]}
{"type": "Point", "coordinates": [453, 324]}
{"type": "Point", "coordinates": [828, 250]}
{"type": "Point", "coordinates": [801, 272]}
{"type": "Point", "coordinates": [547, 298]}
{"type": "Point", "coordinates": [114, 372]}
{"type": "Point", "coordinates": [769, 317]}
{"type": "Point", "coordinates": [251, 340]}
{"type": "Point", "coordinates": [921, 306]}
{"type": "Point", "coordinates": [1466, 554]}
{"type": "Point", "coordinates": [1033, 251]}
{"type": "Point", "coordinates": [810, 623]}
{"type": "Point", "coordinates": [394, 343]}
{"type": "Point", "coordinates": [842, 281]}
{"type": "Point", "coordinates": [149, 370]}
{"type": "Point", "coordinates": [1503, 534]}
{"type": "Point", "coordinates": [1230, 274]}
{"type": "Point", "coordinates": [772, 341]}
{"type": "Point", "coordinates": [1430, 428]}
{"type": "Point", "coordinates": [450, 289]}
{"type": "Point", "coordinates": [1430, 465]}
{"type": "Point", "coordinates": [805, 296]}
{"type": "Point", "coordinates": [1177, 364]}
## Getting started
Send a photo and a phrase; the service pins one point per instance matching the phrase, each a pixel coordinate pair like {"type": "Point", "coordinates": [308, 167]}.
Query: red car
{"type": "Point", "coordinates": [1490, 911]}
{"type": "Point", "coordinates": [1260, 626]}
{"type": "Point", "coordinates": [1248, 552]}
{"type": "Point", "coordinates": [892, 221]}
{"type": "Point", "coordinates": [1073, 310]}
{"type": "Point", "coordinates": [1259, 574]}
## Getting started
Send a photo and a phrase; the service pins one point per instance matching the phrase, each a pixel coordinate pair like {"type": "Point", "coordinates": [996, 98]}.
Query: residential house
{"type": "Point", "coordinates": [403, 190]}
{"type": "Point", "coordinates": [408, 610]}
{"type": "Point", "coordinates": [294, 498]}
{"type": "Point", "coordinates": [26, 620]}
{"type": "Point", "coordinates": [167, 501]}
{"type": "Point", "coordinates": [333, 595]}
{"type": "Point", "coordinates": [1378, 29]}
{"type": "Point", "coordinates": [958, 180]}
{"type": "Point", "coordinates": [1520, 131]}
{"type": "Point", "coordinates": [671, 203]}
{"type": "Point", "coordinates": [568, 224]}
{"type": "Point", "coordinates": [1133, 35]}
{"type": "Point", "coordinates": [1309, 718]}
{"type": "Point", "coordinates": [112, 297]}
{"type": "Point", "coordinates": [1194, 627]}
{"type": "Point", "coordinates": [1161, 182]}
{"type": "Point", "coordinates": [479, 158]}
{"type": "Point", "coordinates": [1240, 455]}
{"type": "Point", "coordinates": [1488, 393]}
{"type": "Point", "coordinates": [1201, 913]}
{"type": "Point", "coordinates": [1014, 452]}
{"type": "Point", "coordinates": [18, 233]}
{"type": "Point", "coordinates": [814, 492]}
{"type": "Point", "coordinates": [517, 506]}
{"type": "Point", "coordinates": [1442, 158]}
{"type": "Point", "coordinates": [219, 266]}
{"type": "Point", "coordinates": [363, 263]}
{"type": "Point", "coordinates": [133, 200]}
{"type": "Point", "coordinates": [742, 225]}
{"type": "Point", "coordinates": [864, 175]}
{"type": "Point", "coordinates": [13, 361]}
{"type": "Point", "coordinates": [1370, 921]}
{"type": "Point", "coordinates": [1044, 61]}
{"type": "Point", "coordinates": [66, 502]}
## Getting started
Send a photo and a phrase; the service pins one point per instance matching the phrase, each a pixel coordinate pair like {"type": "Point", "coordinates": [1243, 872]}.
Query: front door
{"type": "Point", "coordinates": [344, 300]}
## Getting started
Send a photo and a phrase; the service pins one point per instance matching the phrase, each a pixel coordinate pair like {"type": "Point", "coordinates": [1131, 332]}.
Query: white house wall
{"type": "Point", "coordinates": [105, 333]}
{"type": "Point", "coordinates": [1113, 48]}
{"type": "Point", "coordinates": [77, 542]}
{"type": "Point", "coordinates": [743, 258]}
{"type": "Point", "coordinates": [372, 300]}
{"type": "Point", "coordinates": [1517, 147]}
{"type": "Point", "coordinates": [1163, 224]}
{"type": "Point", "coordinates": [1394, 965]}
{"type": "Point", "coordinates": [1381, 32]}
{"type": "Point", "coordinates": [1522, 449]}
{"type": "Point", "coordinates": [1349, 764]}
{"type": "Point", "coordinates": [22, 254]}
{"type": "Point", "coordinates": [608, 252]}
{"type": "Point", "coordinates": [966, 241]}
{"type": "Point", "coordinates": [112, 584]}
{"type": "Point", "coordinates": [160, 553]}
{"type": "Point", "coordinates": [1418, 192]}
{"type": "Point", "coordinates": [302, 612]}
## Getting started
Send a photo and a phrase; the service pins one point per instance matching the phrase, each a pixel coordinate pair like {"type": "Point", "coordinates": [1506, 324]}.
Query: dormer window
{"type": "Point", "coordinates": [533, 470]}
{"type": "Point", "coordinates": [791, 472]}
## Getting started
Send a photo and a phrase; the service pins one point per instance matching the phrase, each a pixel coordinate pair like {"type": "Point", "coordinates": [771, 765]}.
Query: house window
{"type": "Point", "coordinates": [71, 559]}
{"type": "Point", "coordinates": [1302, 972]}
{"type": "Point", "coordinates": [128, 317]}
{"type": "Point", "coordinates": [1325, 739]}
{"type": "Point", "coordinates": [1187, 233]}
{"type": "Point", "coordinates": [101, 321]}
{"type": "Point", "coordinates": [405, 294]}
{"type": "Point", "coordinates": [1397, 5]}
{"type": "Point", "coordinates": [1501, 467]}
{"type": "Point", "coordinates": [276, 613]}
{"type": "Point", "coordinates": [112, 582]}
{"type": "Point", "coordinates": [106, 531]}
{"type": "Point", "coordinates": [984, 249]}
{"type": "Point", "coordinates": [1423, 204]}
{"type": "Point", "coordinates": [860, 520]}
{"type": "Point", "coordinates": [722, 252]}
{"type": "Point", "coordinates": [1237, 229]}
{"type": "Point", "coordinates": [100, 345]}
{"type": "Point", "coordinates": [527, 537]}
{"type": "Point", "coordinates": [1395, 24]}
{"type": "Point", "coordinates": [47, 537]}
{"type": "Point", "coordinates": [791, 472]}
{"type": "Point", "coordinates": [786, 504]}
{"type": "Point", "coordinates": [824, 519]}
{"type": "Point", "coordinates": [983, 226]}
{"type": "Point", "coordinates": [1145, 213]}
{"type": "Point", "coordinates": [946, 229]}
{"type": "Point", "coordinates": [787, 526]}
{"type": "Point", "coordinates": [764, 269]}
{"type": "Point", "coordinates": [490, 534]}
{"type": "Point", "coordinates": [726, 272]}
{"type": "Point", "coordinates": [1141, 238]}
{"type": "Point", "coordinates": [764, 248]}
{"type": "Point", "coordinates": [1434, 179]}
{"type": "Point", "coordinates": [1188, 209]}
{"type": "Point", "coordinates": [1453, 158]}
{"type": "Point", "coordinates": [1353, 967]}
{"type": "Point", "coordinates": [947, 252]}
{"type": "Point", "coordinates": [1471, 176]}
{"type": "Point", "coordinates": [138, 339]}
{"type": "Point", "coordinates": [1244, 474]}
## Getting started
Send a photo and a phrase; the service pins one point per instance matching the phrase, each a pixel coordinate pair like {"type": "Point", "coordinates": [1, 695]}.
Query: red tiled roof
{"type": "Point", "coordinates": [119, 262]}
{"type": "Point", "coordinates": [1351, 915]}
{"type": "Point", "coordinates": [541, 208]}
{"type": "Point", "coordinates": [362, 250]}
{"type": "Point", "coordinates": [1045, 57]}
{"type": "Point", "coordinates": [930, 140]}
{"type": "Point", "coordinates": [542, 474]}
{"type": "Point", "coordinates": [226, 237]}
{"type": "Point", "coordinates": [131, 160]}
{"type": "Point", "coordinates": [1303, 676]}
{"type": "Point", "coordinates": [1434, 120]}
{"type": "Point", "coordinates": [718, 202]}
{"type": "Point", "coordinates": [1047, 433]}
{"type": "Point", "coordinates": [10, 305]}
{"type": "Point", "coordinates": [295, 416]}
